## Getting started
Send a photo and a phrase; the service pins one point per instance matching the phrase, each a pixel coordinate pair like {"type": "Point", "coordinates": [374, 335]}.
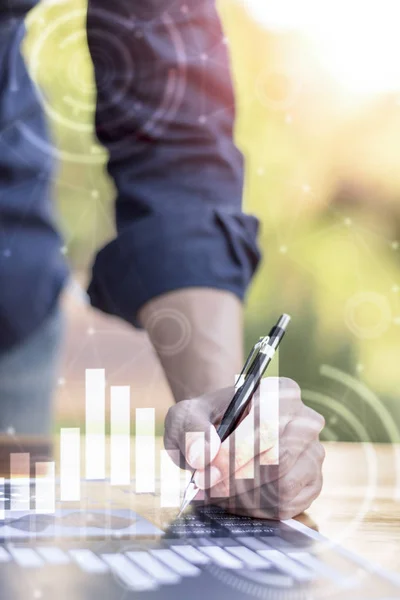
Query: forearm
{"type": "Point", "coordinates": [198, 336]}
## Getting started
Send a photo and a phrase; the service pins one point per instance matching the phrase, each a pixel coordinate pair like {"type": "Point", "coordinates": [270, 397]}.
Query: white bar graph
{"type": "Point", "coordinates": [269, 417]}
{"type": "Point", "coordinates": [70, 464]}
{"type": "Point", "coordinates": [120, 436]}
{"type": "Point", "coordinates": [273, 369]}
{"type": "Point", "coordinates": [20, 481]}
{"type": "Point", "coordinates": [2, 500]}
{"type": "Point", "coordinates": [244, 438]}
{"type": "Point", "coordinates": [45, 491]}
{"type": "Point", "coordinates": [145, 450]}
{"type": "Point", "coordinates": [170, 476]}
{"type": "Point", "coordinates": [269, 412]}
{"type": "Point", "coordinates": [95, 424]}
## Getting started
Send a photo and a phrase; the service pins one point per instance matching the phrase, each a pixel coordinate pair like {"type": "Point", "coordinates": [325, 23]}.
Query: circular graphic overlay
{"type": "Point", "coordinates": [276, 90]}
{"type": "Point", "coordinates": [368, 315]}
{"type": "Point", "coordinates": [176, 324]}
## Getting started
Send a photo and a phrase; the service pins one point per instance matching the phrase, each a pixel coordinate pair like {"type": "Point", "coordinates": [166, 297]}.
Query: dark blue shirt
{"type": "Point", "coordinates": [165, 112]}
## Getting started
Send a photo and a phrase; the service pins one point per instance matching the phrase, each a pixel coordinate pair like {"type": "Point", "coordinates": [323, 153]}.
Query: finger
{"type": "Point", "coordinates": [239, 448]}
{"type": "Point", "coordinates": [275, 396]}
{"type": "Point", "coordinates": [279, 399]}
{"type": "Point", "coordinates": [303, 500]}
{"type": "Point", "coordinates": [193, 417]}
{"type": "Point", "coordinates": [298, 435]}
{"type": "Point", "coordinates": [274, 510]}
{"type": "Point", "coordinates": [302, 453]}
{"type": "Point", "coordinates": [271, 493]}
{"type": "Point", "coordinates": [284, 450]}
{"type": "Point", "coordinates": [197, 454]}
{"type": "Point", "coordinates": [307, 469]}
{"type": "Point", "coordinates": [269, 407]}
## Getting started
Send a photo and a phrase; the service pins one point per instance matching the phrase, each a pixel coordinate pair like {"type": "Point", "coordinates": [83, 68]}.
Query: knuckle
{"type": "Point", "coordinates": [290, 402]}
{"type": "Point", "coordinates": [318, 487]}
{"type": "Point", "coordinates": [322, 452]}
{"type": "Point", "coordinates": [314, 492]}
{"type": "Point", "coordinates": [285, 383]}
{"type": "Point", "coordinates": [322, 421]}
{"type": "Point", "coordinates": [311, 421]}
{"type": "Point", "coordinates": [316, 454]}
{"type": "Point", "coordinates": [317, 418]}
{"type": "Point", "coordinates": [286, 458]}
{"type": "Point", "coordinates": [288, 487]}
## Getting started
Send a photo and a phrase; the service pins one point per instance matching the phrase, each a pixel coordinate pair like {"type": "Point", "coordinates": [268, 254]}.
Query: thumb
{"type": "Point", "coordinates": [202, 442]}
{"type": "Point", "coordinates": [189, 427]}
{"type": "Point", "coordinates": [202, 447]}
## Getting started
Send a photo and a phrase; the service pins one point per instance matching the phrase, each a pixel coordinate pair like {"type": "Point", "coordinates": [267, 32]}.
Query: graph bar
{"type": "Point", "coordinates": [95, 424]}
{"type": "Point", "coordinates": [120, 436]}
{"type": "Point", "coordinates": [70, 464]}
{"type": "Point", "coordinates": [20, 479]}
{"type": "Point", "coordinates": [245, 441]}
{"type": "Point", "coordinates": [45, 491]}
{"type": "Point", "coordinates": [195, 447]}
{"type": "Point", "coordinates": [145, 450]}
{"type": "Point", "coordinates": [170, 479]}
{"type": "Point", "coordinates": [269, 412]}
{"type": "Point", "coordinates": [273, 369]}
{"type": "Point", "coordinates": [2, 500]}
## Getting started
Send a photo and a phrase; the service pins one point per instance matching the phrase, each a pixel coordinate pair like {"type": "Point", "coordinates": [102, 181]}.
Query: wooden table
{"type": "Point", "coordinates": [360, 502]}
{"type": "Point", "coordinates": [359, 506]}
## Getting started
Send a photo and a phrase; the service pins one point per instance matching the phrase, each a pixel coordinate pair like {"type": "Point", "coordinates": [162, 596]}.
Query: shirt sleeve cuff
{"type": "Point", "coordinates": [160, 253]}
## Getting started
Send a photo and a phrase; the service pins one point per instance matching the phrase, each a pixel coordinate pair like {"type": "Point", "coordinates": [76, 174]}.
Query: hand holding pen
{"type": "Point", "coordinates": [269, 491]}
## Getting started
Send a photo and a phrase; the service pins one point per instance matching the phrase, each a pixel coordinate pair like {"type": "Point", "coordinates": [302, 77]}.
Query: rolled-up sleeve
{"type": "Point", "coordinates": [165, 113]}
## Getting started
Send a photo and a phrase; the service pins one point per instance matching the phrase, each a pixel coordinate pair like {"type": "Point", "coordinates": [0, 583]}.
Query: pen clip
{"type": "Point", "coordinates": [250, 359]}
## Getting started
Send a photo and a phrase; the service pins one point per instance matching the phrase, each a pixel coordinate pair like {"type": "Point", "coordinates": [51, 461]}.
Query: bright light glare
{"type": "Point", "coordinates": [357, 40]}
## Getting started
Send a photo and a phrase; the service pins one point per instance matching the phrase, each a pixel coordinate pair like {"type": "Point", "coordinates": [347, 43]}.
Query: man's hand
{"type": "Point", "coordinates": [268, 470]}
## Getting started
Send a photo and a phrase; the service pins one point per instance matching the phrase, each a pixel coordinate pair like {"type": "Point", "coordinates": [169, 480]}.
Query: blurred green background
{"type": "Point", "coordinates": [323, 177]}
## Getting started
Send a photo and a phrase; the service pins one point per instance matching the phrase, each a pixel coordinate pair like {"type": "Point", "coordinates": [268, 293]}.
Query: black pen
{"type": "Point", "coordinates": [246, 385]}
